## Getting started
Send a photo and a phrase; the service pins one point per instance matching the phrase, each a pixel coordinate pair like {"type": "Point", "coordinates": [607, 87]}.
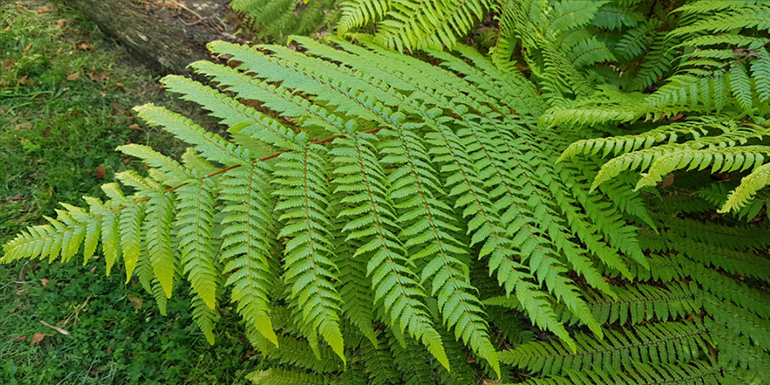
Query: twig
{"type": "Point", "coordinates": [189, 10]}
{"type": "Point", "coordinates": [58, 329]}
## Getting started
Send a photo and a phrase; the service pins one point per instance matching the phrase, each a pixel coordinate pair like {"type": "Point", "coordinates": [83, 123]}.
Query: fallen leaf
{"type": "Point", "coordinates": [94, 371]}
{"type": "Point", "coordinates": [13, 198]}
{"type": "Point", "coordinates": [43, 10]}
{"type": "Point", "coordinates": [137, 301]}
{"type": "Point", "coordinates": [46, 132]}
{"type": "Point", "coordinates": [20, 9]}
{"type": "Point", "coordinates": [19, 339]}
{"type": "Point", "coordinates": [8, 63]}
{"type": "Point", "coordinates": [93, 269]}
{"type": "Point", "coordinates": [22, 80]}
{"type": "Point", "coordinates": [135, 127]}
{"type": "Point", "coordinates": [60, 23]}
{"type": "Point", "coordinates": [100, 172]}
{"type": "Point", "coordinates": [58, 329]}
{"type": "Point", "coordinates": [44, 282]}
{"type": "Point", "coordinates": [24, 126]}
{"type": "Point", "coordinates": [25, 50]}
{"type": "Point", "coordinates": [83, 46]}
{"type": "Point", "coordinates": [38, 338]}
{"type": "Point", "coordinates": [119, 84]}
{"type": "Point", "coordinates": [74, 76]}
{"type": "Point", "coordinates": [668, 182]}
{"type": "Point", "coordinates": [109, 350]}
{"type": "Point", "coordinates": [16, 220]}
{"type": "Point", "coordinates": [117, 106]}
{"type": "Point", "coordinates": [20, 292]}
{"type": "Point", "coordinates": [8, 28]}
{"type": "Point", "coordinates": [103, 94]}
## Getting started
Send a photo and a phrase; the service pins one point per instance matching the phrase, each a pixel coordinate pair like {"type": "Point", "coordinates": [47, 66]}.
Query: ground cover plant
{"type": "Point", "coordinates": [65, 99]}
{"type": "Point", "coordinates": [578, 199]}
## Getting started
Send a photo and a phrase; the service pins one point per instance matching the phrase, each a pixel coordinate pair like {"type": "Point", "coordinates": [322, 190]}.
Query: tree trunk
{"type": "Point", "coordinates": [167, 36]}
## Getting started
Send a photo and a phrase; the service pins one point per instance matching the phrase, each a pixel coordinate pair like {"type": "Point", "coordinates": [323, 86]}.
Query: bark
{"type": "Point", "coordinates": [167, 36]}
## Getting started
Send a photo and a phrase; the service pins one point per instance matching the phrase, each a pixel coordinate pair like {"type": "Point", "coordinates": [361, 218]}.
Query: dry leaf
{"type": "Point", "coordinates": [83, 46]}
{"type": "Point", "coordinates": [19, 339]}
{"type": "Point", "coordinates": [100, 171]}
{"type": "Point", "coordinates": [8, 28]}
{"type": "Point", "coordinates": [58, 329]}
{"type": "Point", "coordinates": [22, 80]}
{"type": "Point", "coordinates": [8, 63]}
{"type": "Point", "coordinates": [20, 9]}
{"type": "Point", "coordinates": [38, 338]}
{"type": "Point", "coordinates": [109, 350]}
{"type": "Point", "coordinates": [668, 182]}
{"type": "Point", "coordinates": [27, 48]}
{"type": "Point", "coordinates": [135, 127]}
{"type": "Point", "coordinates": [20, 292]}
{"type": "Point", "coordinates": [137, 301]}
{"type": "Point", "coordinates": [60, 23]}
{"type": "Point", "coordinates": [93, 269]}
{"type": "Point", "coordinates": [47, 131]}
{"type": "Point", "coordinates": [74, 76]}
{"type": "Point", "coordinates": [43, 10]}
{"type": "Point", "coordinates": [119, 84]}
{"type": "Point", "coordinates": [118, 107]}
{"type": "Point", "coordinates": [44, 282]}
{"type": "Point", "coordinates": [103, 94]}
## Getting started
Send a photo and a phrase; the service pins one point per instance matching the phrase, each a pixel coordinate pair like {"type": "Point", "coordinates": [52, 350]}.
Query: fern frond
{"type": "Point", "coordinates": [760, 71]}
{"type": "Point", "coordinates": [357, 13]}
{"type": "Point", "coordinates": [372, 221]}
{"type": "Point", "coordinates": [425, 24]}
{"type": "Point", "coordinates": [698, 372]}
{"type": "Point", "coordinates": [245, 249]}
{"type": "Point", "coordinates": [211, 146]}
{"type": "Point", "coordinates": [656, 344]}
{"type": "Point", "coordinates": [157, 232]}
{"type": "Point", "coordinates": [428, 224]}
{"type": "Point", "coordinates": [309, 269]}
{"type": "Point", "coordinates": [285, 377]}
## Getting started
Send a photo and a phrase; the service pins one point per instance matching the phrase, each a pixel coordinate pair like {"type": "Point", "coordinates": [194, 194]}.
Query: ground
{"type": "Point", "coordinates": [66, 94]}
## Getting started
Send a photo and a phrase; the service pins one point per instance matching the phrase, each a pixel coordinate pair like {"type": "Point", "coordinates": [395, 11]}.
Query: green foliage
{"type": "Point", "coordinates": [276, 20]}
{"type": "Point", "coordinates": [54, 134]}
{"type": "Point", "coordinates": [385, 218]}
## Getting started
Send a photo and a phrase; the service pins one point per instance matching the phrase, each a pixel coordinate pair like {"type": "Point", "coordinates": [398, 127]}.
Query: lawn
{"type": "Point", "coordinates": [66, 94]}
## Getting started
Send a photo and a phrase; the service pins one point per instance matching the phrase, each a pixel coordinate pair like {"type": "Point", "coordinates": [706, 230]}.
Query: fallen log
{"type": "Point", "coordinates": [165, 35]}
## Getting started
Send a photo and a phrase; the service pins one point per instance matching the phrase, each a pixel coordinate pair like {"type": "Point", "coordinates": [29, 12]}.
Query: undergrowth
{"type": "Point", "coordinates": [57, 136]}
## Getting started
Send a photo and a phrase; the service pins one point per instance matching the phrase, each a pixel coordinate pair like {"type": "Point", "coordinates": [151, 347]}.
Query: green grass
{"type": "Point", "coordinates": [54, 134]}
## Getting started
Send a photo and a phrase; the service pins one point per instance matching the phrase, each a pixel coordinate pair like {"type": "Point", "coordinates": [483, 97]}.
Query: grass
{"type": "Point", "coordinates": [65, 98]}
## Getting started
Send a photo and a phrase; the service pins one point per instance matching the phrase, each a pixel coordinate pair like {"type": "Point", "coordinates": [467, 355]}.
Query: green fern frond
{"type": "Point", "coordinates": [371, 221]}
{"type": "Point", "coordinates": [245, 249]}
{"type": "Point", "coordinates": [309, 268]}
{"type": "Point", "coordinates": [656, 344]}
{"type": "Point", "coordinates": [698, 372]}
{"type": "Point", "coordinates": [285, 377]}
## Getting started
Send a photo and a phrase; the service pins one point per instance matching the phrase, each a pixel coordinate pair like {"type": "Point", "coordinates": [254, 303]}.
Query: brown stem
{"type": "Point", "coordinates": [226, 169]}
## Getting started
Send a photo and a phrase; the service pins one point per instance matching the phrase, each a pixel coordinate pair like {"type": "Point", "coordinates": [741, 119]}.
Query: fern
{"type": "Point", "coordinates": [454, 218]}
{"type": "Point", "coordinates": [275, 21]}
